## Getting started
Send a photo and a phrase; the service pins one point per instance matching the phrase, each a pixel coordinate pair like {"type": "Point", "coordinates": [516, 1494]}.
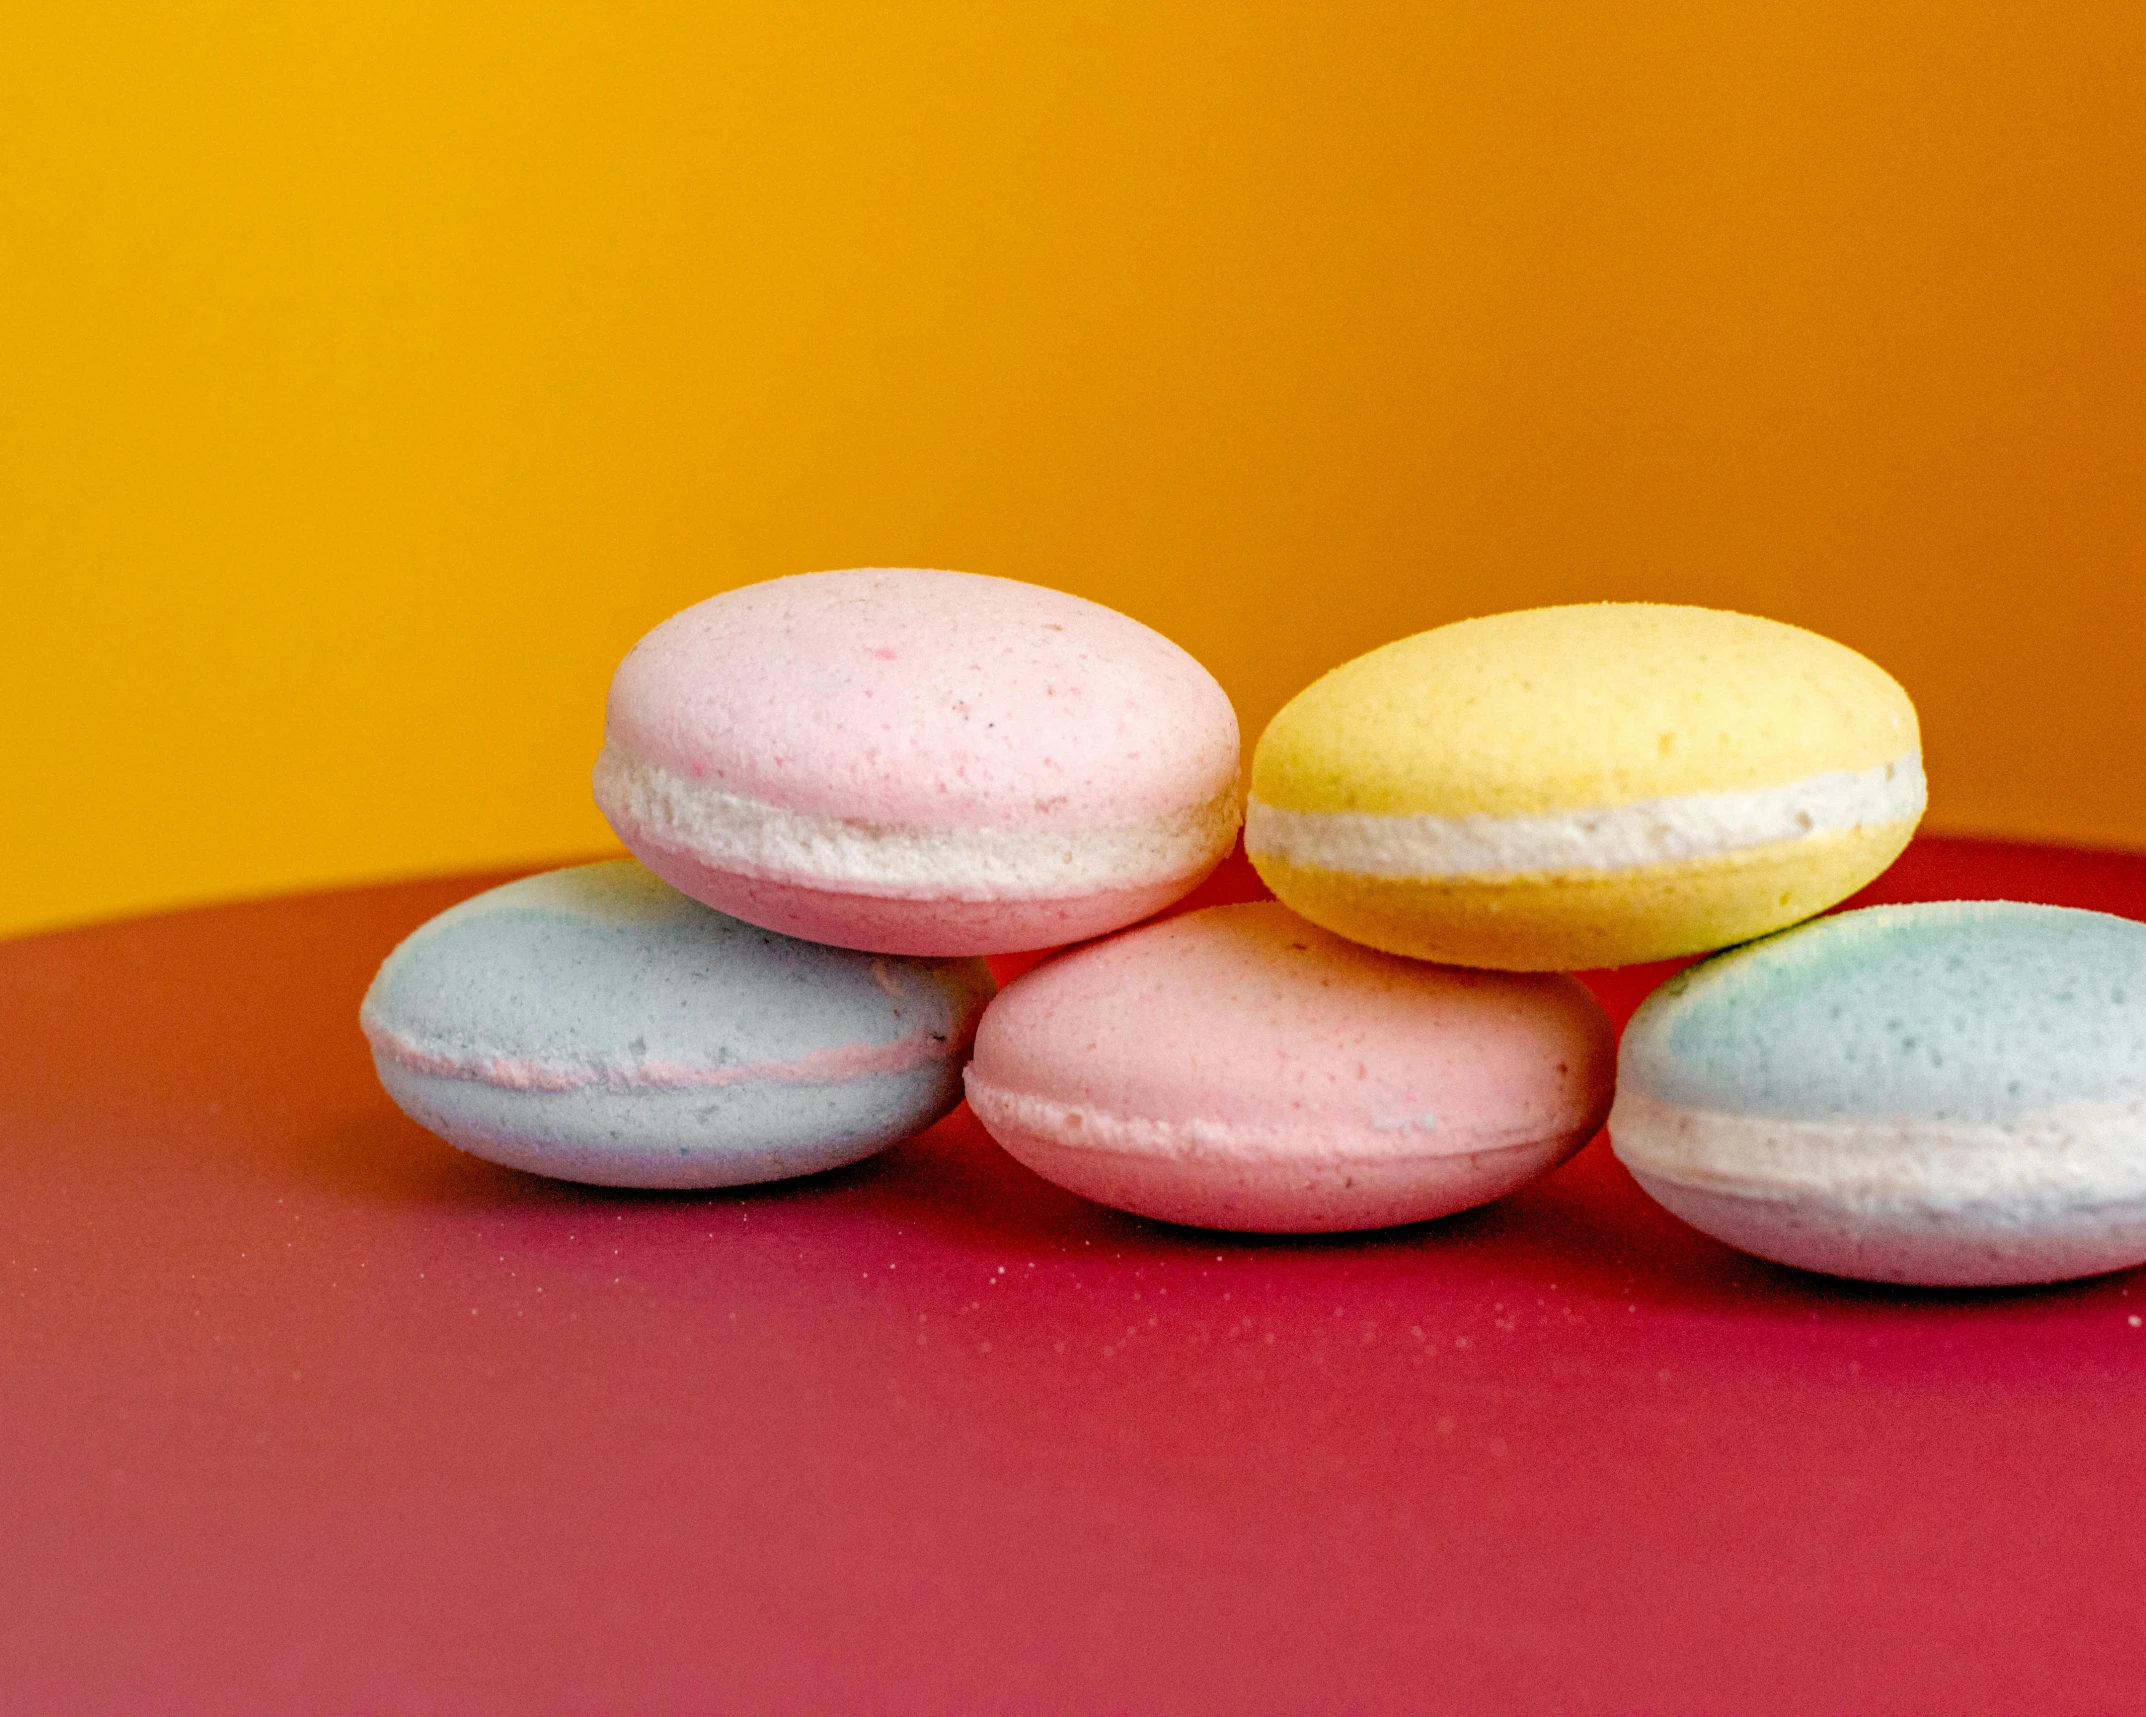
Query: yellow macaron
{"type": "Point", "coordinates": [1588, 786]}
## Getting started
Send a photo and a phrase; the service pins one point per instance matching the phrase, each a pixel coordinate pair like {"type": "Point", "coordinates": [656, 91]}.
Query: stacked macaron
{"type": "Point", "coordinates": [843, 789]}
{"type": "Point", "coordinates": [1588, 786]}
{"type": "Point", "coordinates": [919, 762]}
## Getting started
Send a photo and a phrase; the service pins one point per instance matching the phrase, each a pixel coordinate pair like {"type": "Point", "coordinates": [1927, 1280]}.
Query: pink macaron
{"type": "Point", "coordinates": [1240, 1068]}
{"type": "Point", "coordinates": [917, 762]}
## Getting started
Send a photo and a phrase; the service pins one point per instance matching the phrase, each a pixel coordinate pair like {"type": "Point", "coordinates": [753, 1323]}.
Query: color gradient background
{"type": "Point", "coordinates": [371, 377]}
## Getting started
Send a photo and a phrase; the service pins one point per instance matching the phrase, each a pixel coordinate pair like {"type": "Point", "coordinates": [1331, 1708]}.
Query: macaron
{"type": "Point", "coordinates": [1588, 786]}
{"type": "Point", "coordinates": [919, 762]}
{"type": "Point", "coordinates": [1948, 1094]}
{"type": "Point", "coordinates": [1239, 1068]}
{"type": "Point", "coordinates": [595, 1025]}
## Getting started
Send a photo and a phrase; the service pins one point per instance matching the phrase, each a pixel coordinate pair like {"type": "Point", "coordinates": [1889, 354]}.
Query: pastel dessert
{"type": "Point", "coordinates": [595, 1025]}
{"type": "Point", "coordinates": [919, 762]}
{"type": "Point", "coordinates": [1591, 786]}
{"type": "Point", "coordinates": [1239, 1068]}
{"type": "Point", "coordinates": [1950, 1094]}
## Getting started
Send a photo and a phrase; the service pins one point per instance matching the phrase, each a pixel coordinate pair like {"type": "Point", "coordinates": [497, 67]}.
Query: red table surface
{"type": "Point", "coordinates": [305, 1411]}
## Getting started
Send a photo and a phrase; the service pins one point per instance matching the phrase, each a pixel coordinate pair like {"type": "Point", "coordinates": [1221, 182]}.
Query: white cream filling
{"type": "Point", "coordinates": [1602, 838]}
{"type": "Point", "coordinates": [733, 832]}
{"type": "Point", "coordinates": [2080, 1152]}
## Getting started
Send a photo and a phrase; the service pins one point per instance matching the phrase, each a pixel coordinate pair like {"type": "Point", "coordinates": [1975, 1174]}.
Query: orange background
{"type": "Point", "coordinates": [371, 377]}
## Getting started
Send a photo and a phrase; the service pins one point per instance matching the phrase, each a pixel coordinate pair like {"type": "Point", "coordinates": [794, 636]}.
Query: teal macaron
{"type": "Point", "coordinates": [1945, 1094]}
{"type": "Point", "coordinates": [596, 1025]}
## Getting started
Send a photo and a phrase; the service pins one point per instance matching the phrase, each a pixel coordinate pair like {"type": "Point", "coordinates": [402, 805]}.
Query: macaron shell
{"type": "Point", "coordinates": [670, 1140]}
{"type": "Point", "coordinates": [1915, 1241]}
{"type": "Point", "coordinates": [1582, 920]}
{"type": "Point", "coordinates": [595, 1025]}
{"type": "Point", "coordinates": [1971, 1013]}
{"type": "Point", "coordinates": [927, 698]}
{"type": "Point", "coordinates": [1253, 1196]}
{"type": "Point", "coordinates": [1238, 1067]}
{"type": "Point", "coordinates": [1597, 704]}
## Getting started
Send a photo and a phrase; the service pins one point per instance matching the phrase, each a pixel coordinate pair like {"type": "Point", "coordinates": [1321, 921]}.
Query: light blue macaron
{"type": "Point", "coordinates": [1950, 1094]}
{"type": "Point", "coordinates": [596, 1025]}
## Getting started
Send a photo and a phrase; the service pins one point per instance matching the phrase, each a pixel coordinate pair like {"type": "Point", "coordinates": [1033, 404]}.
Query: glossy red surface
{"type": "Point", "coordinates": [306, 1412]}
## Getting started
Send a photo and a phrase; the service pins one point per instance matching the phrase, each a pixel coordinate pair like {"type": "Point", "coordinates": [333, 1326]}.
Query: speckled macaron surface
{"type": "Point", "coordinates": [1565, 788]}
{"type": "Point", "coordinates": [1240, 1068]}
{"type": "Point", "coordinates": [1949, 1094]}
{"type": "Point", "coordinates": [595, 1025]}
{"type": "Point", "coordinates": [919, 762]}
